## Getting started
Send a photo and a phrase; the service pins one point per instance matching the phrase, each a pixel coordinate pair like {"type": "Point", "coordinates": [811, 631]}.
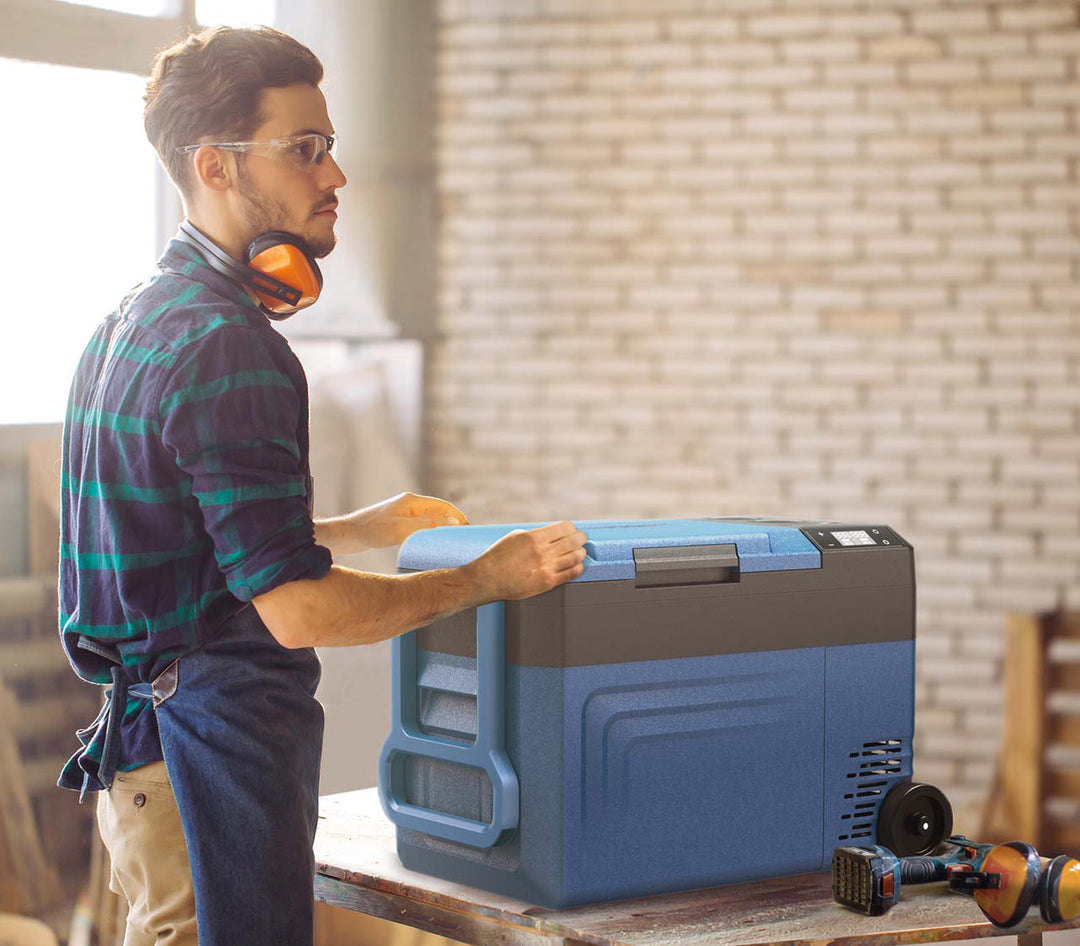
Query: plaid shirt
{"type": "Point", "coordinates": [185, 483]}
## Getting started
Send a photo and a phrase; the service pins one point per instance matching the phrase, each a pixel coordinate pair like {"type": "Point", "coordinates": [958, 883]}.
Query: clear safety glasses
{"type": "Point", "coordinates": [304, 152]}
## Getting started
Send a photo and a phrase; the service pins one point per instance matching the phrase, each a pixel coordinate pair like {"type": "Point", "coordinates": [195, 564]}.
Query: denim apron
{"type": "Point", "coordinates": [241, 733]}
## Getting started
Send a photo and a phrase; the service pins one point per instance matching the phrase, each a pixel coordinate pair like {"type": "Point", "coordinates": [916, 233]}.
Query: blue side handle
{"type": "Point", "coordinates": [486, 753]}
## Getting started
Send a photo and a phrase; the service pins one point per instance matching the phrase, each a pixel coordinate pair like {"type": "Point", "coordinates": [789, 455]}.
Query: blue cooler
{"type": "Point", "coordinates": [710, 702]}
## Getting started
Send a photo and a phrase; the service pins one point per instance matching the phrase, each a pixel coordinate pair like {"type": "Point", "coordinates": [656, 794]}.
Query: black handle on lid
{"type": "Point", "coordinates": [686, 565]}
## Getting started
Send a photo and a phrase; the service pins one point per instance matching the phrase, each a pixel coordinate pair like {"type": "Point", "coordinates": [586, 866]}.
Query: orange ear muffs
{"type": "Point", "coordinates": [1059, 890]}
{"type": "Point", "coordinates": [284, 274]}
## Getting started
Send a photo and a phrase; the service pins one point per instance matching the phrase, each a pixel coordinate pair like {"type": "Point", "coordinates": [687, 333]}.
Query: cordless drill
{"type": "Point", "coordinates": [868, 879]}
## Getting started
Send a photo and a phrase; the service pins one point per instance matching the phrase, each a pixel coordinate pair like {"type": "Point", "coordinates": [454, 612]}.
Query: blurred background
{"type": "Point", "coordinates": [617, 259]}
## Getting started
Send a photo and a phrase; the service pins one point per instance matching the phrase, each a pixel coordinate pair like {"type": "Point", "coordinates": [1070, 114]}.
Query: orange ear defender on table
{"type": "Point", "coordinates": [277, 266]}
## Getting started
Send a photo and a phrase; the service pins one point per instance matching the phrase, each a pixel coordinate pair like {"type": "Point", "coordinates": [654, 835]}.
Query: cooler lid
{"type": "Point", "coordinates": [761, 547]}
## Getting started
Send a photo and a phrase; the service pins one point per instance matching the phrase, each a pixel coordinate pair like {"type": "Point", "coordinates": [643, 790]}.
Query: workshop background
{"type": "Point", "coordinates": [609, 259]}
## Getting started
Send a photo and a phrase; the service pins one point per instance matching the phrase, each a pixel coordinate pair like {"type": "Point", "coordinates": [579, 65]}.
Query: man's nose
{"type": "Point", "coordinates": [330, 172]}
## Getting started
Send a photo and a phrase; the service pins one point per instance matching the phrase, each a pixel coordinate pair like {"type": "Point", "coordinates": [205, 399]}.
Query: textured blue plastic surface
{"type": "Point", "coordinates": [610, 546]}
{"type": "Point", "coordinates": [640, 778]}
{"type": "Point", "coordinates": [486, 753]}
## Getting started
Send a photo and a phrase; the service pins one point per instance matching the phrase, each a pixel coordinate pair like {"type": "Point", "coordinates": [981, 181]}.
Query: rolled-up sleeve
{"type": "Point", "coordinates": [231, 414]}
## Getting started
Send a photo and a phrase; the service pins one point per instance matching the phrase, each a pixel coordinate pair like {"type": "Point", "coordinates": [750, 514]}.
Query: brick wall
{"type": "Point", "coordinates": [789, 257]}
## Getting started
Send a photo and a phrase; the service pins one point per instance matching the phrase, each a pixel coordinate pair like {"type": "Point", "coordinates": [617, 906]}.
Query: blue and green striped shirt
{"type": "Point", "coordinates": [185, 482]}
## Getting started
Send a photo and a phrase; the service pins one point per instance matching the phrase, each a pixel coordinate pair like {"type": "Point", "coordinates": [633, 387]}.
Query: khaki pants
{"type": "Point", "coordinates": [140, 825]}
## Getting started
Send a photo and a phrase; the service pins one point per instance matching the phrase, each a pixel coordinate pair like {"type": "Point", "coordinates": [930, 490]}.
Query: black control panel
{"type": "Point", "coordinates": [834, 536]}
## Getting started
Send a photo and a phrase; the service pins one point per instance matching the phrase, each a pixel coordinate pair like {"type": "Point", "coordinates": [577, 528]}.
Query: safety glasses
{"type": "Point", "coordinates": [1010, 878]}
{"type": "Point", "coordinates": [304, 152]}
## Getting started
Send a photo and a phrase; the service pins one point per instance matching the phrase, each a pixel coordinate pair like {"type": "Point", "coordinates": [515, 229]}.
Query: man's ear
{"type": "Point", "coordinates": [214, 169]}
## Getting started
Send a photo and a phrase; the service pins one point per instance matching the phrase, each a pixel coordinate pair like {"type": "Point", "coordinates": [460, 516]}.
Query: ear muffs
{"type": "Point", "coordinates": [280, 259]}
{"type": "Point", "coordinates": [278, 266]}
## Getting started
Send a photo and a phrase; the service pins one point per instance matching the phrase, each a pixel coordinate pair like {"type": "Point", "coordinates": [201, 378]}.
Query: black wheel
{"type": "Point", "coordinates": [913, 819]}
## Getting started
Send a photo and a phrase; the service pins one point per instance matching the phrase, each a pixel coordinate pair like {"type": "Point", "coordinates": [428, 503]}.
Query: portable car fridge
{"type": "Point", "coordinates": [709, 702]}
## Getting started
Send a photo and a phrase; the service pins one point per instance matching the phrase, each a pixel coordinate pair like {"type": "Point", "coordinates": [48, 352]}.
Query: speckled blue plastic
{"type": "Point", "coordinates": [610, 546]}
{"type": "Point", "coordinates": [643, 777]}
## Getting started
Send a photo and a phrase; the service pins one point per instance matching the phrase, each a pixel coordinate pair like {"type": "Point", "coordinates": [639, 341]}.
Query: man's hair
{"type": "Point", "coordinates": [210, 84]}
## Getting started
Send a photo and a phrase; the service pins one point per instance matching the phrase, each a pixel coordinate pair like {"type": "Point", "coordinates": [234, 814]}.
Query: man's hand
{"type": "Point", "coordinates": [392, 521]}
{"type": "Point", "coordinates": [386, 524]}
{"type": "Point", "coordinates": [522, 564]}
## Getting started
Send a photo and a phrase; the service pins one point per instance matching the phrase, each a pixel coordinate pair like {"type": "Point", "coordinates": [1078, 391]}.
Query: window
{"type": "Point", "coordinates": [79, 196]}
{"type": "Point", "coordinates": [86, 206]}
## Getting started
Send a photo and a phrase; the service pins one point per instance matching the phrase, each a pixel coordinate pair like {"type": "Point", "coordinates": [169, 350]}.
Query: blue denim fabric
{"type": "Point", "coordinates": [242, 739]}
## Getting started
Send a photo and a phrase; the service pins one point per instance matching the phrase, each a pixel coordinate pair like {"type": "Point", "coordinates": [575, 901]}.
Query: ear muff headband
{"type": "Point", "coordinates": [281, 270]}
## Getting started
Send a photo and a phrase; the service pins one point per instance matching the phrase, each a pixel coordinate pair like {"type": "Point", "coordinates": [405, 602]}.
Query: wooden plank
{"type": "Point", "coordinates": [43, 492]}
{"type": "Point", "coordinates": [35, 881]}
{"type": "Point", "coordinates": [358, 869]}
{"type": "Point", "coordinates": [21, 660]}
{"type": "Point", "coordinates": [1024, 728]}
{"type": "Point", "coordinates": [25, 598]}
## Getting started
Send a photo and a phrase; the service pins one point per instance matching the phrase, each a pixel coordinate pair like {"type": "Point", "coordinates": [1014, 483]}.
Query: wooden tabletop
{"type": "Point", "coordinates": [357, 868]}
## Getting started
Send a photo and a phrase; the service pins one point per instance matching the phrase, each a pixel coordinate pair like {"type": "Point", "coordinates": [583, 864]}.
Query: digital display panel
{"type": "Point", "coordinates": [856, 537]}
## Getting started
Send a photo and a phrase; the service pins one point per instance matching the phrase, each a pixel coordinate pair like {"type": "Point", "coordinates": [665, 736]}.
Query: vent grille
{"type": "Point", "coordinates": [872, 769]}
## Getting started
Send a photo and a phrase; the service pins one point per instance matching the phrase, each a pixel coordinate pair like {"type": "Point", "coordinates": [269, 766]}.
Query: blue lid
{"type": "Point", "coordinates": [762, 547]}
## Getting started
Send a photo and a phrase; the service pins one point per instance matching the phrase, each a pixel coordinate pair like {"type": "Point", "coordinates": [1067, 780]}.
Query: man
{"type": "Point", "coordinates": [193, 579]}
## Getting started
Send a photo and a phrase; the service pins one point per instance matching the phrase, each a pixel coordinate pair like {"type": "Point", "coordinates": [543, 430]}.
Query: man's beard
{"type": "Point", "coordinates": [264, 213]}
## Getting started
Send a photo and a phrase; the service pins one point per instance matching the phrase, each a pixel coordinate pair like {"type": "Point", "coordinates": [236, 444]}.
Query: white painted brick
{"type": "Point", "coordinates": [803, 198]}
{"type": "Point", "coordinates": [990, 246]}
{"type": "Point", "coordinates": [776, 76]}
{"type": "Point", "coordinates": [859, 123]}
{"type": "Point", "coordinates": [989, 44]}
{"type": "Point", "coordinates": [947, 71]}
{"type": "Point", "coordinates": [952, 121]}
{"type": "Point", "coordinates": [904, 46]}
{"type": "Point", "coordinates": [950, 22]}
{"type": "Point", "coordinates": [736, 100]}
{"type": "Point", "coordinates": [815, 149]}
{"type": "Point", "coordinates": [819, 50]}
{"type": "Point", "coordinates": [1029, 119]}
{"type": "Point", "coordinates": [621, 31]}
{"type": "Point", "coordinates": [744, 52]}
{"type": "Point", "coordinates": [903, 246]}
{"type": "Point", "coordinates": [1035, 16]}
{"type": "Point", "coordinates": [777, 172]}
{"type": "Point", "coordinates": [1027, 67]}
{"type": "Point", "coordinates": [995, 296]}
{"type": "Point", "coordinates": [703, 27]}
{"type": "Point", "coordinates": [653, 54]}
{"type": "Point", "coordinates": [909, 296]}
{"type": "Point", "coordinates": [944, 172]}
{"type": "Point", "coordinates": [863, 24]}
{"type": "Point", "coordinates": [697, 78]}
{"type": "Point", "coordinates": [789, 24]}
{"type": "Point", "coordinates": [987, 146]}
{"type": "Point", "coordinates": [862, 73]}
{"type": "Point", "coordinates": [1055, 93]}
{"type": "Point", "coordinates": [820, 97]}
{"type": "Point", "coordinates": [617, 129]}
{"type": "Point", "coordinates": [904, 147]}
{"type": "Point", "coordinates": [1059, 41]}
{"type": "Point", "coordinates": [949, 271]}
{"type": "Point", "coordinates": [910, 197]}
{"type": "Point", "coordinates": [1053, 145]}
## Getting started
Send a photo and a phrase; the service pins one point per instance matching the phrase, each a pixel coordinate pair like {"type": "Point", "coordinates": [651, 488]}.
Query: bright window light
{"type": "Point", "coordinates": [141, 7]}
{"type": "Point", "coordinates": [79, 223]}
{"type": "Point", "coordinates": [236, 12]}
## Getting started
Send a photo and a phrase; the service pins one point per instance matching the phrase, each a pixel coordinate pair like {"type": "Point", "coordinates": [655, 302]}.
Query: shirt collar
{"type": "Point", "coordinates": [182, 258]}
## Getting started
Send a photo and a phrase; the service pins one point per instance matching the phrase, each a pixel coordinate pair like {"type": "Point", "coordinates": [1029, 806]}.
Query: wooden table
{"type": "Point", "coordinates": [357, 868]}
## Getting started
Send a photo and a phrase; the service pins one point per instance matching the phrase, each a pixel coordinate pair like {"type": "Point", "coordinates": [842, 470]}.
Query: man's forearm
{"type": "Point", "coordinates": [350, 607]}
{"type": "Point", "coordinates": [342, 535]}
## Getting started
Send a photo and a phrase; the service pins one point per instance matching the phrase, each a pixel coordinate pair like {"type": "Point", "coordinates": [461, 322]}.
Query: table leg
{"type": "Point", "coordinates": [1029, 939]}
